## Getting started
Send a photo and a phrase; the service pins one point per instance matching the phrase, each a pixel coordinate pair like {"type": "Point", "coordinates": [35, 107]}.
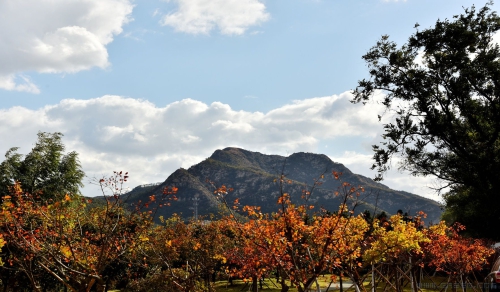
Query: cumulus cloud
{"type": "Point", "coordinates": [54, 36]}
{"type": "Point", "coordinates": [118, 133]}
{"type": "Point", "coordinates": [230, 17]}
{"type": "Point", "coordinates": [359, 163]}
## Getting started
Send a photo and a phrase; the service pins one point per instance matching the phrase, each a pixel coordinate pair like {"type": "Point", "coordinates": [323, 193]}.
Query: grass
{"type": "Point", "coordinates": [272, 286]}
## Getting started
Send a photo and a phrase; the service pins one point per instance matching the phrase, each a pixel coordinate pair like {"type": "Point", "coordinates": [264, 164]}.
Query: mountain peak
{"type": "Point", "coordinates": [252, 176]}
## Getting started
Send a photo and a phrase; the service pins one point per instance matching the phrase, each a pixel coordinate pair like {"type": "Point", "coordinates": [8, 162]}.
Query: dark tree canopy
{"type": "Point", "coordinates": [443, 87]}
{"type": "Point", "coordinates": [46, 170]}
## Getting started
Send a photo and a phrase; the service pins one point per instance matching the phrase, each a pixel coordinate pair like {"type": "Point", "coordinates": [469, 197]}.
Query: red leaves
{"type": "Point", "coordinates": [223, 190]}
{"type": "Point", "coordinates": [450, 252]}
{"type": "Point", "coordinates": [284, 199]}
{"type": "Point", "coordinates": [170, 190]}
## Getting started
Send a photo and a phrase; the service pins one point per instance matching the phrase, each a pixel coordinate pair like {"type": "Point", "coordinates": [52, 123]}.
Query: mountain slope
{"type": "Point", "coordinates": [252, 174]}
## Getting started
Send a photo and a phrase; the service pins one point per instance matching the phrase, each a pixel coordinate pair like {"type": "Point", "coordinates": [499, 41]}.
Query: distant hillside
{"type": "Point", "coordinates": [252, 174]}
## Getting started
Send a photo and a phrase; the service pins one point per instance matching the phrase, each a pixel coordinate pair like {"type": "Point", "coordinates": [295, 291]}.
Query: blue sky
{"type": "Point", "coordinates": [148, 86]}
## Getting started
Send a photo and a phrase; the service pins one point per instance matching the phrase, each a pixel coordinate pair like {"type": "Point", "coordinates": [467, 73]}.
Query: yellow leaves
{"type": "Point", "coordinates": [17, 188]}
{"type": "Point", "coordinates": [197, 246]}
{"type": "Point", "coordinates": [394, 239]}
{"type": "Point", "coordinates": [438, 229]}
{"type": "Point", "coordinates": [66, 251]}
{"type": "Point", "coordinates": [143, 238]}
{"type": "Point", "coordinates": [220, 258]}
{"type": "Point", "coordinates": [2, 243]}
{"type": "Point", "coordinates": [7, 204]}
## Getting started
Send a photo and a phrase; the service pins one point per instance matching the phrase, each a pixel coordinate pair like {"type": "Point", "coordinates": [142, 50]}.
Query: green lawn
{"type": "Point", "coordinates": [272, 286]}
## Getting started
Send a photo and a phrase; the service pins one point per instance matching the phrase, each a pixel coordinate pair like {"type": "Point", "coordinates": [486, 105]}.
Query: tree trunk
{"type": "Point", "coordinates": [397, 282]}
{"type": "Point", "coordinates": [356, 286]}
{"type": "Point", "coordinates": [309, 283]}
{"type": "Point", "coordinates": [373, 278]}
{"type": "Point", "coordinates": [100, 285]}
{"type": "Point", "coordinates": [413, 278]}
{"type": "Point", "coordinates": [284, 286]}
{"type": "Point", "coordinates": [451, 281]}
{"type": "Point", "coordinates": [255, 286]}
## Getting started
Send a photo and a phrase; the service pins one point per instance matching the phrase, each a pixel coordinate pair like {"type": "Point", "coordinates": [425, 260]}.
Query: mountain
{"type": "Point", "coordinates": [252, 176]}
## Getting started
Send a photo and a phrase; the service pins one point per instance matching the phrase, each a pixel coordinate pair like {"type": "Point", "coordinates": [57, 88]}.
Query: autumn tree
{"type": "Point", "coordinates": [183, 256]}
{"type": "Point", "coordinates": [443, 92]}
{"type": "Point", "coordinates": [454, 254]}
{"type": "Point", "coordinates": [298, 243]}
{"type": "Point", "coordinates": [249, 257]}
{"type": "Point", "coordinates": [69, 240]}
{"type": "Point", "coordinates": [395, 250]}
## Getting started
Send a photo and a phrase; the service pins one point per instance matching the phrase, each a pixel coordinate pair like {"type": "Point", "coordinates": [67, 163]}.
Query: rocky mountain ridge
{"type": "Point", "coordinates": [252, 176]}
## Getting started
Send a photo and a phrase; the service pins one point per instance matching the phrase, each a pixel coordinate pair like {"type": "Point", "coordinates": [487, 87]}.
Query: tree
{"type": "Point", "coordinates": [183, 256]}
{"type": "Point", "coordinates": [68, 240]}
{"type": "Point", "coordinates": [297, 242]}
{"type": "Point", "coordinates": [396, 244]}
{"type": "Point", "coordinates": [454, 254]}
{"type": "Point", "coordinates": [443, 87]}
{"type": "Point", "coordinates": [45, 171]}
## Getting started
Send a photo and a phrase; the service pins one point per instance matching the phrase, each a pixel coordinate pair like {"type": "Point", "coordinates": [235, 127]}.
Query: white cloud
{"type": "Point", "coordinates": [8, 82]}
{"type": "Point", "coordinates": [360, 162]}
{"type": "Point", "coordinates": [117, 133]}
{"type": "Point", "coordinates": [231, 17]}
{"type": "Point", "coordinates": [496, 38]}
{"type": "Point", "coordinates": [54, 36]}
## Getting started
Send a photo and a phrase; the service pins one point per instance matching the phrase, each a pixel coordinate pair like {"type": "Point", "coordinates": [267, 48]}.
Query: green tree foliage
{"type": "Point", "coordinates": [443, 87]}
{"type": "Point", "coordinates": [46, 170]}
